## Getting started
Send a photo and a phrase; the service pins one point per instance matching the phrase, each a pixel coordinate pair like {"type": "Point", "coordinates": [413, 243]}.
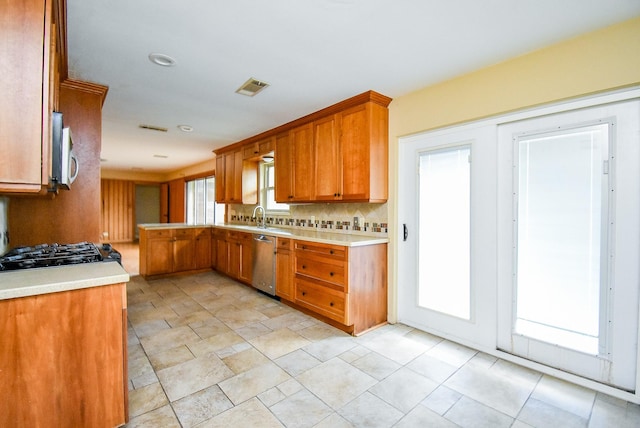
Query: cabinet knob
{"type": "Point", "coordinates": [330, 273]}
{"type": "Point", "coordinates": [304, 293]}
{"type": "Point", "coordinates": [331, 304]}
{"type": "Point", "coordinates": [304, 267]}
{"type": "Point", "coordinates": [330, 251]}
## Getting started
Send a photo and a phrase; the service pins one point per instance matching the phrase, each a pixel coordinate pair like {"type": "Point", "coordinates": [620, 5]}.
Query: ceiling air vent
{"type": "Point", "coordinates": [251, 87]}
{"type": "Point", "coordinates": [153, 128]}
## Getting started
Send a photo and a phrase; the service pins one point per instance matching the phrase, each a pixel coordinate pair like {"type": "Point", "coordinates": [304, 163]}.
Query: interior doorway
{"type": "Point", "coordinates": [147, 205]}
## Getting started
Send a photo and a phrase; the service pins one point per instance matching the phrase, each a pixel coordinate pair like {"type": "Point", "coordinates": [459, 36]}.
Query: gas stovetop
{"type": "Point", "coordinates": [46, 255]}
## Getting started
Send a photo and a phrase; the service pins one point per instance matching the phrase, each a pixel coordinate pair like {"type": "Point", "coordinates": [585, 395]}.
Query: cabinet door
{"type": "Point", "coordinates": [159, 256]}
{"type": "Point", "coordinates": [25, 114]}
{"type": "Point", "coordinates": [328, 160]}
{"type": "Point", "coordinates": [245, 273]}
{"type": "Point", "coordinates": [229, 177]}
{"type": "Point", "coordinates": [220, 187]}
{"type": "Point", "coordinates": [237, 177]}
{"type": "Point", "coordinates": [222, 256]}
{"type": "Point", "coordinates": [183, 250]}
{"type": "Point", "coordinates": [283, 162]}
{"type": "Point", "coordinates": [203, 248]}
{"type": "Point", "coordinates": [284, 270]}
{"type": "Point", "coordinates": [233, 265]}
{"type": "Point", "coordinates": [355, 144]}
{"type": "Point", "coordinates": [301, 139]}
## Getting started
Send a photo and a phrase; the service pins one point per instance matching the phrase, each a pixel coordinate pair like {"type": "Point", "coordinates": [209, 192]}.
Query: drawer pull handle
{"type": "Point", "coordinates": [304, 293]}
{"type": "Point", "coordinates": [330, 251]}
{"type": "Point", "coordinates": [331, 304]}
{"type": "Point", "coordinates": [304, 267]}
{"type": "Point", "coordinates": [330, 273]}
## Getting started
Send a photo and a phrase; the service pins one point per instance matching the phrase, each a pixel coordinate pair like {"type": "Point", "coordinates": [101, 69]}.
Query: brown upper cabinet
{"type": "Point", "coordinates": [236, 179]}
{"type": "Point", "coordinates": [28, 92]}
{"type": "Point", "coordinates": [337, 154]}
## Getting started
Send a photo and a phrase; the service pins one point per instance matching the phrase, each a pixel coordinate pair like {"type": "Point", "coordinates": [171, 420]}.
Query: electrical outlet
{"type": "Point", "coordinates": [356, 222]}
{"type": "Point", "coordinates": [313, 219]}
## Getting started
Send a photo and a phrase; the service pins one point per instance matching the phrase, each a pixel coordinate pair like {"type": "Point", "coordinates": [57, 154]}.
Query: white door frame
{"type": "Point", "coordinates": [398, 274]}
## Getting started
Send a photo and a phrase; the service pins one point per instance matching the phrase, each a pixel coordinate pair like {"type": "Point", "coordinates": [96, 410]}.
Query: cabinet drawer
{"type": "Point", "coordinates": [283, 243]}
{"type": "Point", "coordinates": [329, 271]}
{"type": "Point", "coordinates": [183, 233]}
{"type": "Point", "coordinates": [219, 234]}
{"type": "Point", "coordinates": [239, 236]}
{"type": "Point", "coordinates": [323, 300]}
{"type": "Point", "coordinates": [202, 233]}
{"type": "Point", "coordinates": [334, 251]}
{"type": "Point", "coordinates": [158, 233]}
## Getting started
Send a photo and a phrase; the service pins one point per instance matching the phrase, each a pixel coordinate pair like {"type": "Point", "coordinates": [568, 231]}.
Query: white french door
{"type": "Point", "coordinates": [521, 234]}
{"type": "Point", "coordinates": [446, 280]}
{"type": "Point", "coordinates": [569, 210]}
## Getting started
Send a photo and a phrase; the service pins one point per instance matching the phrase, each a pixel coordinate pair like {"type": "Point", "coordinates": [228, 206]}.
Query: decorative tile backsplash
{"type": "Point", "coordinates": [4, 225]}
{"type": "Point", "coordinates": [335, 218]}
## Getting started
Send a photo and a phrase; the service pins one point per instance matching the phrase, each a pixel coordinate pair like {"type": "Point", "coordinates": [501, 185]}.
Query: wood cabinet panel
{"type": "Point", "coordinates": [117, 209]}
{"type": "Point", "coordinates": [177, 201]}
{"type": "Point", "coordinates": [283, 161]}
{"type": "Point", "coordinates": [284, 269]}
{"type": "Point", "coordinates": [202, 249]}
{"type": "Point", "coordinates": [302, 181]}
{"type": "Point", "coordinates": [24, 94]}
{"type": "Point", "coordinates": [236, 179]}
{"type": "Point", "coordinates": [72, 216]}
{"type": "Point", "coordinates": [172, 250]}
{"type": "Point", "coordinates": [60, 366]}
{"type": "Point", "coordinates": [328, 159]}
{"type": "Point", "coordinates": [344, 284]}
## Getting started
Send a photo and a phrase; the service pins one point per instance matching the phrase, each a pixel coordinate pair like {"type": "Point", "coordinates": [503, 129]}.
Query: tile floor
{"type": "Point", "coordinates": [205, 351]}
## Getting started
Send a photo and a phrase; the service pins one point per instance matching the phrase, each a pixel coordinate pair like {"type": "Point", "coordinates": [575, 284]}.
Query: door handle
{"type": "Point", "coordinates": [405, 231]}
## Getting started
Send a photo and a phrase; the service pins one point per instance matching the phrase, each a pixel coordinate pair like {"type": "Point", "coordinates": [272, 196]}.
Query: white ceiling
{"type": "Point", "coordinates": [313, 53]}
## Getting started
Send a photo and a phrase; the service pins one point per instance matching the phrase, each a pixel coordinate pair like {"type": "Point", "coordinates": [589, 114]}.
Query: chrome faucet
{"type": "Point", "coordinates": [261, 223]}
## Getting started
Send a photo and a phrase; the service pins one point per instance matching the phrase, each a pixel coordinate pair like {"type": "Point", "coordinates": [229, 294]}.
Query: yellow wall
{"type": "Point", "coordinates": [600, 61]}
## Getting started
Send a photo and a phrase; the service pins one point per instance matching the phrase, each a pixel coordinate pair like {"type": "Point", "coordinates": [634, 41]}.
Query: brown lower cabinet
{"type": "Point", "coordinates": [345, 285]}
{"type": "Point", "coordinates": [63, 359]}
{"type": "Point", "coordinates": [164, 251]}
{"type": "Point", "coordinates": [234, 256]}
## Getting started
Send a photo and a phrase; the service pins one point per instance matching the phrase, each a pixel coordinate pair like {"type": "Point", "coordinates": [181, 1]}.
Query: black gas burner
{"type": "Point", "coordinates": [45, 255]}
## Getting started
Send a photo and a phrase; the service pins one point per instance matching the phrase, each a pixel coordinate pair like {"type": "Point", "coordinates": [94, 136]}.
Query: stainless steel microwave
{"type": "Point", "coordinates": [64, 163]}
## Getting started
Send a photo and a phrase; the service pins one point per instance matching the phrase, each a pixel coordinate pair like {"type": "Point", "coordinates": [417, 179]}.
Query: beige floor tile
{"type": "Point", "coordinates": [420, 416]}
{"type": "Point", "coordinates": [288, 410]}
{"type": "Point", "coordinates": [215, 343]}
{"type": "Point", "coordinates": [441, 400]}
{"type": "Point", "coordinates": [451, 353]}
{"type": "Point", "coordinates": [236, 318]}
{"type": "Point", "coordinates": [376, 365]}
{"type": "Point", "coordinates": [245, 360]}
{"type": "Point", "coordinates": [433, 368]}
{"type": "Point", "coordinates": [297, 362]}
{"type": "Point", "coordinates": [397, 348]}
{"type": "Point", "coordinates": [539, 414]}
{"type": "Point", "coordinates": [505, 394]}
{"type": "Point", "coordinates": [169, 358]}
{"type": "Point", "coordinates": [146, 399]}
{"type": "Point", "coordinates": [169, 339]}
{"type": "Point", "coordinates": [471, 414]}
{"type": "Point", "coordinates": [150, 328]}
{"type": "Point", "coordinates": [249, 384]}
{"type": "Point", "coordinates": [251, 413]}
{"type": "Point", "coordinates": [201, 406]}
{"type": "Point", "coordinates": [279, 343]}
{"type": "Point", "coordinates": [564, 395]}
{"type": "Point", "coordinates": [284, 320]}
{"type": "Point", "coordinates": [192, 376]}
{"type": "Point", "coordinates": [206, 328]}
{"type": "Point", "coordinates": [334, 420]}
{"type": "Point", "coordinates": [254, 330]}
{"type": "Point", "coordinates": [336, 382]}
{"type": "Point", "coordinates": [162, 417]}
{"type": "Point", "coordinates": [404, 389]}
{"type": "Point", "coordinates": [369, 411]}
{"type": "Point", "coordinates": [331, 347]}
{"type": "Point", "coordinates": [193, 317]}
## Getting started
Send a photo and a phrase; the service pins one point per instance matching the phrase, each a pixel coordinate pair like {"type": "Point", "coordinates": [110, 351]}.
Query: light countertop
{"type": "Point", "coordinates": [346, 239]}
{"type": "Point", "coordinates": [36, 281]}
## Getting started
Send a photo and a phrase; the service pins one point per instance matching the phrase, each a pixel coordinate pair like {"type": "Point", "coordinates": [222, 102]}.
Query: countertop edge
{"type": "Point", "coordinates": [33, 282]}
{"type": "Point", "coordinates": [344, 239]}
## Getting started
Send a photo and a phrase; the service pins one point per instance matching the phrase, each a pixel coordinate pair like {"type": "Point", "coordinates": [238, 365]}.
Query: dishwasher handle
{"type": "Point", "coordinates": [261, 238]}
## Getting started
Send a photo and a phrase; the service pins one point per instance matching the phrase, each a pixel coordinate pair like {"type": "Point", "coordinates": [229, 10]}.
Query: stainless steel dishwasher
{"type": "Point", "coordinates": [264, 263]}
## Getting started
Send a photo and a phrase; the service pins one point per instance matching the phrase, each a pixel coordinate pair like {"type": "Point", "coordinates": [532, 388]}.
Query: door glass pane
{"type": "Point", "coordinates": [561, 220]}
{"type": "Point", "coordinates": [444, 222]}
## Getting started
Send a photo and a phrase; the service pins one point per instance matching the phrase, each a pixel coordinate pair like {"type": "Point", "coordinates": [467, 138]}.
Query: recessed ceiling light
{"type": "Point", "coordinates": [185, 128]}
{"type": "Point", "coordinates": [160, 156]}
{"type": "Point", "coordinates": [251, 87]}
{"type": "Point", "coordinates": [162, 59]}
{"type": "Point", "coordinates": [103, 160]}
